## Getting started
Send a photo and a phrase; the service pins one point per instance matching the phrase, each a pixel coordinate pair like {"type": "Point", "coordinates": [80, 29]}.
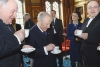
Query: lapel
{"type": "Point", "coordinates": [55, 21]}
{"type": "Point", "coordinates": [40, 33]}
{"type": "Point", "coordinates": [4, 26]}
{"type": "Point", "coordinates": [84, 24]}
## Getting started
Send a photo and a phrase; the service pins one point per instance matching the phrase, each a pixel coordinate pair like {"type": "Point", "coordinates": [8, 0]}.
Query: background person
{"type": "Point", "coordinates": [91, 35]}
{"type": "Point", "coordinates": [57, 28]}
{"type": "Point", "coordinates": [75, 44]}
{"type": "Point", "coordinates": [28, 22]}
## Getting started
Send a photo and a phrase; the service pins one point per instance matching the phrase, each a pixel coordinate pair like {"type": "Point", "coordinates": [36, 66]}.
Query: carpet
{"type": "Point", "coordinates": [66, 61]}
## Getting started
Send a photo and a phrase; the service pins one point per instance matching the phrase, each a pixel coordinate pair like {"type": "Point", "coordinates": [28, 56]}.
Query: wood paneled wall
{"type": "Point", "coordinates": [68, 7]}
{"type": "Point", "coordinates": [33, 7]}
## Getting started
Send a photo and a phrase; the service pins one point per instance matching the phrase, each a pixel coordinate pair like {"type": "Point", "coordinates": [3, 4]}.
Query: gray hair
{"type": "Point", "coordinates": [3, 2]}
{"type": "Point", "coordinates": [42, 15]}
{"type": "Point", "coordinates": [27, 15]}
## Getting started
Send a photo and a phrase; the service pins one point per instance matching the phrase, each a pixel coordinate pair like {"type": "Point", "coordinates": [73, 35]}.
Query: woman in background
{"type": "Point", "coordinates": [75, 44]}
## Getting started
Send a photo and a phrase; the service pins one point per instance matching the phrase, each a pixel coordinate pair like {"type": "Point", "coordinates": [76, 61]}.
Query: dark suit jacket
{"type": "Point", "coordinates": [18, 27]}
{"type": "Point", "coordinates": [89, 46]}
{"type": "Point", "coordinates": [9, 57]}
{"type": "Point", "coordinates": [38, 40]}
{"type": "Point", "coordinates": [59, 31]}
{"type": "Point", "coordinates": [28, 25]}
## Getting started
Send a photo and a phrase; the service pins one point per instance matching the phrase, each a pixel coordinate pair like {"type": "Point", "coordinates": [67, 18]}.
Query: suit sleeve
{"type": "Point", "coordinates": [8, 45]}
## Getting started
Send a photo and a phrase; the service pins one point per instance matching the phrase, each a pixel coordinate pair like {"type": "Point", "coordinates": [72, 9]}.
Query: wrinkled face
{"type": "Point", "coordinates": [93, 9]}
{"type": "Point", "coordinates": [75, 17]}
{"type": "Point", "coordinates": [53, 14]}
{"type": "Point", "coordinates": [8, 11]}
{"type": "Point", "coordinates": [45, 24]}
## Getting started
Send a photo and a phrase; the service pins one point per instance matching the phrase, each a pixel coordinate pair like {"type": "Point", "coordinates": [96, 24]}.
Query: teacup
{"type": "Point", "coordinates": [56, 49]}
{"type": "Point", "coordinates": [79, 32]}
{"type": "Point", "coordinates": [26, 33]}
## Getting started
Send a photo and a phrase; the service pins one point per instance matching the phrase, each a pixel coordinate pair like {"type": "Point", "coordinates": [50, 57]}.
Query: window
{"type": "Point", "coordinates": [56, 8]}
{"type": "Point", "coordinates": [48, 6]}
{"type": "Point", "coordinates": [19, 18]}
{"type": "Point", "coordinates": [53, 6]}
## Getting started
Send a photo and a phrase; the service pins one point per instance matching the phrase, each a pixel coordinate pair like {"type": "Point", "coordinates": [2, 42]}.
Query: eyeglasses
{"type": "Point", "coordinates": [95, 7]}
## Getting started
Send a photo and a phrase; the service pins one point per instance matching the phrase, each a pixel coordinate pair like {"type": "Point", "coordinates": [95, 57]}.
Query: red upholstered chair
{"type": "Point", "coordinates": [66, 45]}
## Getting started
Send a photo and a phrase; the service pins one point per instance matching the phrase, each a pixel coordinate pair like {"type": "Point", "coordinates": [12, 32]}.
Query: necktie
{"type": "Point", "coordinates": [44, 33]}
{"type": "Point", "coordinates": [52, 22]}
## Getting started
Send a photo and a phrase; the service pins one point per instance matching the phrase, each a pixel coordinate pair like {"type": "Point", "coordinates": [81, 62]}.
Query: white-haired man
{"type": "Point", "coordinates": [9, 41]}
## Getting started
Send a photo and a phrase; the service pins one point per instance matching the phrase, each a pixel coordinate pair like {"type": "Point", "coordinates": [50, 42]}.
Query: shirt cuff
{"type": "Point", "coordinates": [18, 39]}
{"type": "Point", "coordinates": [45, 50]}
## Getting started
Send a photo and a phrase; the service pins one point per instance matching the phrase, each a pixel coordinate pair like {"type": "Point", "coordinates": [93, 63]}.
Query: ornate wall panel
{"type": "Point", "coordinates": [35, 11]}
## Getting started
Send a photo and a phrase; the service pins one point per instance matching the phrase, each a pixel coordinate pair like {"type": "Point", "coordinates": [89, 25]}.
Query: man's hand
{"type": "Point", "coordinates": [84, 36]}
{"type": "Point", "coordinates": [27, 46]}
{"type": "Point", "coordinates": [50, 47]}
{"type": "Point", "coordinates": [20, 34]}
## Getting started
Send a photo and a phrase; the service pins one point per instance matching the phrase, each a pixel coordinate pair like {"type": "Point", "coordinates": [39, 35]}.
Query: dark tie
{"type": "Point", "coordinates": [52, 22]}
{"type": "Point", "coordinates": [11, 28]}
{"type": "Point", "coordinates": [45, 33]}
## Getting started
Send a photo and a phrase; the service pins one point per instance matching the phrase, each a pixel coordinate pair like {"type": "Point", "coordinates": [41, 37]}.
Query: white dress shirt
{"type": "Point", "coordinates": [89, 22]}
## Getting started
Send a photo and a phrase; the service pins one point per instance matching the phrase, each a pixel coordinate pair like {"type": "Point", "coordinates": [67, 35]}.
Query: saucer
{"type": "Point", "coordinates": [27, 50]}
{"type": "Point", "coordinates": [59, 51]}
{"type": "Point", "coordinates": [77, 35]}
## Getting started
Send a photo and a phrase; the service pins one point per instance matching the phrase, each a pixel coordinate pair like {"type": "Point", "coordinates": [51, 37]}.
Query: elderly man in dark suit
{"type": "Point", "coordinates": [41, 39]}
{"type": "Point", "coordinates": [9, 41]}
{"type": "Point", "coordinates": [57, 28]}
{"type": "Point", "coordinates": [91, 35]}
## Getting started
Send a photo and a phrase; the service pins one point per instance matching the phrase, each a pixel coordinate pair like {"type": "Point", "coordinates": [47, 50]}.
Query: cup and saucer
{"type": "Point", "coordinates": [78, 33]}
{"type": "Point", "coordinates": [56, 50]}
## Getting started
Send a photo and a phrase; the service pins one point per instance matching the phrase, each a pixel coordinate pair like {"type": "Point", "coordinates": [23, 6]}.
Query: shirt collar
{"type": "Point", "coordinates": [39, 28]}
{"type": "Point", "coordinates": [75, 23]}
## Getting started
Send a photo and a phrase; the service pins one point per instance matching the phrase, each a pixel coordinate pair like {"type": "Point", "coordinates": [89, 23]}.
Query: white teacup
{"type": "Point", "coordinates": [79, 32]}
{"type": "Point", "coordinates": [26, 33]}
{"type": "Point", "coordinates": [56, 49]}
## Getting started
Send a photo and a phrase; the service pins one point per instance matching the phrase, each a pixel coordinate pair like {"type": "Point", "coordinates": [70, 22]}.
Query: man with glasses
{"type": "Point", "coordinates": [91, 35]}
